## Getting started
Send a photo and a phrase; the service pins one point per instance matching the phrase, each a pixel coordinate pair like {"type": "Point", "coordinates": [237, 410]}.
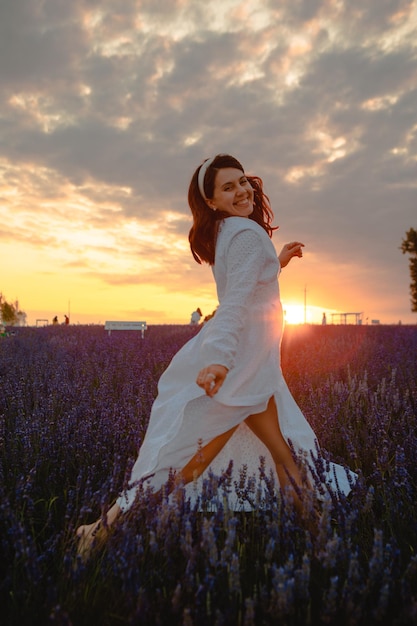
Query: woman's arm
{"type": "Point", "coordinates": [290, 250]}
{"type": "Point", "coordinates": [243, 273]}
{"type": "Point", "coordinates": [245, 260]}
{"type": "Point", "coordinates": [211, 378]}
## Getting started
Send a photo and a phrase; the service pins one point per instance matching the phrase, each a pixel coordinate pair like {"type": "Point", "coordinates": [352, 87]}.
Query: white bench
{"type": "Point", "coordinates": [109, 326]}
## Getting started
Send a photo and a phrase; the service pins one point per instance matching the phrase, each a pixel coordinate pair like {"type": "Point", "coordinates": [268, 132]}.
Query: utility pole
{"type": "Point", "coordinates": [305, 304]}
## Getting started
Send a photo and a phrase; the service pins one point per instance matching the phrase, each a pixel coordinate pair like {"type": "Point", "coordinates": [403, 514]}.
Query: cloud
{"type": "Point", "coordinates": [107, 108]}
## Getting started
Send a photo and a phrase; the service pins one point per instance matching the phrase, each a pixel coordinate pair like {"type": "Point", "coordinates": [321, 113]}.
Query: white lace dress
{"type": "Point", "coordinates": [244, 335]}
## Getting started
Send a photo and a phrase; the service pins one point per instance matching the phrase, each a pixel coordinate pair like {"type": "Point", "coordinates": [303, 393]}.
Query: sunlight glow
{"type": "Point", "coordinates": [293, 313]}
{"type": "Point", "coordinates": [311, 314]}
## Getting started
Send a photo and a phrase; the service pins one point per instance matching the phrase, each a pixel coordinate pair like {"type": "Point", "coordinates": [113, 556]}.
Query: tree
{"type": "Point", "coordinates": [409, 245]}
{"type": "Point", "coordinates": [9, 313]}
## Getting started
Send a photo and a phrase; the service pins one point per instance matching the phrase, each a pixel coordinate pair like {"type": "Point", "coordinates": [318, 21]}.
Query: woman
{"type": "Point", "coordinates": [238, 407]}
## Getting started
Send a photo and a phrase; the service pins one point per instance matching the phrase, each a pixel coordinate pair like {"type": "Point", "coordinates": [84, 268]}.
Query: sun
{"type": "Point", "coordinates": [301, 314]}
{"type": "Point", "coordinates": [294, 314]}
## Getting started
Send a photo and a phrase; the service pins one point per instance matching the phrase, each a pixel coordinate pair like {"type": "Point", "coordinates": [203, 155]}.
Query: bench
{"type": "Point", "coordinates": [109, 326]}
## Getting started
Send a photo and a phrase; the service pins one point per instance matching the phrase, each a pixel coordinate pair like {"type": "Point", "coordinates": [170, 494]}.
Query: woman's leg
{"type": "Point", "coordinates": [202, 459]}
{"type": "Point", "coordinates": [192, 470]}
{"type": "Point", "coordinates": [265, 425]}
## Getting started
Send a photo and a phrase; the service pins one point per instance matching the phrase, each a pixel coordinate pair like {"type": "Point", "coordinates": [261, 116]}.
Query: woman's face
{"type": "Point", "coordinates": [233, 193]}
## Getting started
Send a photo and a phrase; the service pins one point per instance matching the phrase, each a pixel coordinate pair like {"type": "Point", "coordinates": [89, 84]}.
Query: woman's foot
{"type": "Point", "coordinates": [96, 534]}
{"type": "Point", "coordinates": [90, 535]}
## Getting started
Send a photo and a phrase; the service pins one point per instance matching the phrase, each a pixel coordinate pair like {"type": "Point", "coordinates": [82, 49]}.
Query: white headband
{"type": "Point", "coordinates": [202, 175]}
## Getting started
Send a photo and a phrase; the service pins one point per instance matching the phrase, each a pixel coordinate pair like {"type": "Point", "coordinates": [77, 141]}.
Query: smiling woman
{"type": "Point", "coordinates": [222, 401]}
{"type": "Point", "coordinates": [233, 193]}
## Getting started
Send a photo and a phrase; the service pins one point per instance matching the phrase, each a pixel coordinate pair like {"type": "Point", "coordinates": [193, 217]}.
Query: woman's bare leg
{"type": "Point", "coordinates": [202, 459]}
{"type": "Point", "coordinates": [265, 426]}
{"type": "Point", "coordinates": [192, 470]}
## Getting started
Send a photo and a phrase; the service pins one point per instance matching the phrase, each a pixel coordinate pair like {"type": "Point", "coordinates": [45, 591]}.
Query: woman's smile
{"type": "Point", "coordinates": [233, 193]}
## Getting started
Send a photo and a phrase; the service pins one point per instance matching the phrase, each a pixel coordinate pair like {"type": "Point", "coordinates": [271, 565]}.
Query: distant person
{"type": "Point", "coordinates": [196, 317]}
{"type": "Point", "coordinates": [66, 320]}
{"type": "Point", "coordinates": [225, 385]}
{"type": "Point", "coordinates": [324, 319]}
{"type": "Point", "coordinates": [55, 320]}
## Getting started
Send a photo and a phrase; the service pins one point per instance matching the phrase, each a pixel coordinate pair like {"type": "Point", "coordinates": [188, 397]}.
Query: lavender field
{"type": "Point", "coordinates": [74, 405]}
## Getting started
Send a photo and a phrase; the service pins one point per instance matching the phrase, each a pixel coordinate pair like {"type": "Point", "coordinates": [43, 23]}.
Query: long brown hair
{"type": "Point", "coordinates": [202, 235]}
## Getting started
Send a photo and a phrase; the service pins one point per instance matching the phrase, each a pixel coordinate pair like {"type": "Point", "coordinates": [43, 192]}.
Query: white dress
{"type": "Point", "coordinates": [245, 336]}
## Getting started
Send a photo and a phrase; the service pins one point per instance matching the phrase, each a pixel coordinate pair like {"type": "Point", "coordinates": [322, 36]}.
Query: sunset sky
{"type": "Point", "coordinates": [107, 107]}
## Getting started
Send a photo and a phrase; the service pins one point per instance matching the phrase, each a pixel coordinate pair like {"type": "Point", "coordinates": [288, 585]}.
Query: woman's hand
{"type": "Point", "coordinates": [290, 250]}
{"type": "Point", "coordinates": [211, 378]}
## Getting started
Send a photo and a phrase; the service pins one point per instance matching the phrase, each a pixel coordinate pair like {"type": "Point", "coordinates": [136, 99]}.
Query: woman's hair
{"type": "Point", "coordinates": [202, 236]}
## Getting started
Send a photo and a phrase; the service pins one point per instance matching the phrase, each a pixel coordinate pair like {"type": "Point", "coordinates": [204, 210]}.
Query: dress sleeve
{"type": "Point", "coordinates": [245, 258]}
